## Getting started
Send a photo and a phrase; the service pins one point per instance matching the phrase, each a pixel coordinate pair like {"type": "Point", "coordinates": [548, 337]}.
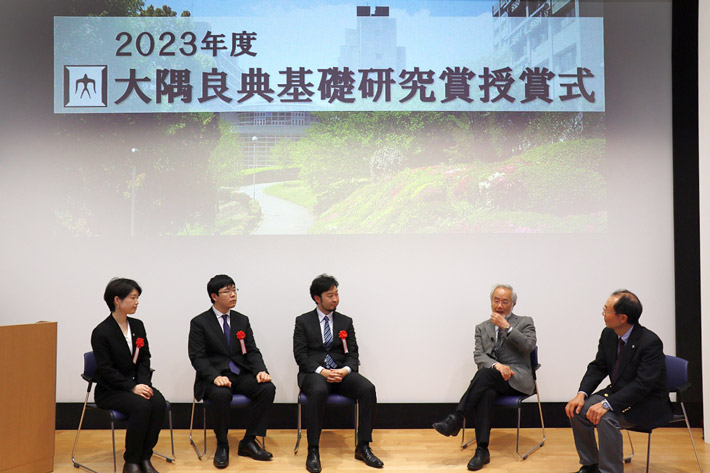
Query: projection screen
{"type": "Point", "coordinates": [420, 152]}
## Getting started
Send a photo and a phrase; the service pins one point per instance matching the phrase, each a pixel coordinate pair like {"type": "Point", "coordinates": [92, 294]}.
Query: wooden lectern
{"type": "Point", "coordinates": [28, 384]}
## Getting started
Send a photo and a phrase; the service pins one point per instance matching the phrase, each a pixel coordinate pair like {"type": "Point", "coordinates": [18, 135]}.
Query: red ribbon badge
{"type": "Point", "coordinates": [240, 337]}
{"type": "Point", "coordinates": [139, 343]}
{"type": "Point", "coordinates": [343, 335]}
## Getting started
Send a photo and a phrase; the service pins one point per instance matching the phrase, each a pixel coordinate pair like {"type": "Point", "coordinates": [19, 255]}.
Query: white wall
{"type": "Point", "coordinates": [704, 126]}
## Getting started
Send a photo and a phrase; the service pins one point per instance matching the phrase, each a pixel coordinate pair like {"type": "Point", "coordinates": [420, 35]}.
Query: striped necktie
{"type": "Point", "coordinates": [328, 342]}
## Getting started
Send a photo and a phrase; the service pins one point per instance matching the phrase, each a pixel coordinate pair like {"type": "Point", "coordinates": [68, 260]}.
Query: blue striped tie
{"type": "Point", "coordinates": [328, 342]}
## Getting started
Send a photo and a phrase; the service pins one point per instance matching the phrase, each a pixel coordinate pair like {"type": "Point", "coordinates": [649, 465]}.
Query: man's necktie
{"type": "Point", "coordinates": [615, 372]}
{"type": "Point", "coordinates": [225, 326]}
{"type": "Point", "coordinates": [499, 342]}
{"type": "Point", "coordinates": [328, 342]}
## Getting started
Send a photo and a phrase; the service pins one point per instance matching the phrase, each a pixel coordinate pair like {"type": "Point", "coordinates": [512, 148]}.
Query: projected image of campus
{"type": "Point", "coordinates": [419, 172]}
{"type": "Point", "coordinates": [343, 172]}
{"type": "Point", "coordinates": [510, 148]}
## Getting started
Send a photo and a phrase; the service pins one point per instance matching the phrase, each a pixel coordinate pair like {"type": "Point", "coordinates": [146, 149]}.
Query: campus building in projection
{"type": "Point", "coordinates": [373, 44]}
{"type": "Point", "coordinates": [536, 43]}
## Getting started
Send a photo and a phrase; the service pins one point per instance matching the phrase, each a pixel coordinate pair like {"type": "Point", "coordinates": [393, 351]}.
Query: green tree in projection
{"type": "Point", "coordinates": [226, 160]}
{"type": "Point", "coordinates": [107, 7]}
{"type": "Point", "coordinates": [169, 154]}
{"type": "Point", "coordinates": [335, 156]}
{"type": "Point", "coordinates": [164, 11]}
{"type": "Point", "coordinates": [496, 136]}
{"type": "Point", "coordinates": [120, 8]}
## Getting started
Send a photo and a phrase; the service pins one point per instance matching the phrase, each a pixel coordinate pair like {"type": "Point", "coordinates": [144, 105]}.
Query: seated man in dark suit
{"type": "Point", "coordinates": [226, 359]}
{"type": "Point", "coordinates": [503, 346]}
{"type": "Point", "coordinates": [632, 357]}
{"type": "Point", "coordinates": [326, 351]}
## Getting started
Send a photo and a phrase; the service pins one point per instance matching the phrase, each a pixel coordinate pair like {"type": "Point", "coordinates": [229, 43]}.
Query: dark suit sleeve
{"type": "Point", "coordinates": [106, 369]}
{"type": "Point", "coordinates": [300, 348]}
{"type": "Point", "coordinates": [253, 355]}
{"type": "Point", "coordinates": [352, 358]}
{"type": "Point", "coordinates": [597, 370]}
{"type": "Point", "coordinates": [197, 350]}
{"type": "Point", "coordinates": [652, 361]}
{"type": "Point", "coordinates": [143, 371]}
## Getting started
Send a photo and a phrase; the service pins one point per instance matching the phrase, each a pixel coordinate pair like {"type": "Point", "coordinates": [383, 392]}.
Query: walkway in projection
{"type": "Point", "coordinates": [279, 216]}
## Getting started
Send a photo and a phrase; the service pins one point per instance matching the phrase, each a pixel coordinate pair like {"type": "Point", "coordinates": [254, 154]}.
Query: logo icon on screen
{"type": "Point", "coordinates": [85, 86]}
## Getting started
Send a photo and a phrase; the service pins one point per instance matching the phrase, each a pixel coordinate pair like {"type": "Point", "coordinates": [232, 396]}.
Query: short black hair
{"type": "Point", "coordinates": [121, 288]}
{"type": "Point", "coordinates": [628, 304]}
{"type": "Point", "coordinates": [218, 282]}
{"type": "Point", "coordinates": [321, 284]}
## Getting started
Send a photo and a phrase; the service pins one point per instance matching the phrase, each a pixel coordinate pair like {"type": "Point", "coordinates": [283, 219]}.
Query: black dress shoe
{"type": "Point", "coordinates": [148, 467]}
{"type": "Point", "coordinates": [482, 457]}
{"type": "Point", "coordinates": [221, 457]}
{"type": "Point", "coordinates": [313, 460]}
{"type": "Point", "coordinates": [588, 469]}
{"type": "Point", "coordinates": [131, 468]}
{"type": "Point", "coordinates": [253, 450]}
{"type": "Point", "coordinates": [364, 453]}
{"type": "Point", "coordinates": [448, 427]}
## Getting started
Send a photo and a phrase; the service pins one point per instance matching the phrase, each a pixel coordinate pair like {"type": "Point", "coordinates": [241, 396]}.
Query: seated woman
{"type": "Point", "coordinates": [123, 375]}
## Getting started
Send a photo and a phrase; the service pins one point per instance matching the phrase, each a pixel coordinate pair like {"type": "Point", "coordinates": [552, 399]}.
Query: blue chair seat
{"type": "Point", "coordinates": [333, 400]}
{"type": "Point", "coordinates": [510, 401]}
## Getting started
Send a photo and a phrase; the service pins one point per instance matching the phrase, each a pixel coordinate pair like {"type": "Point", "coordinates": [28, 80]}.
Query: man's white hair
{"type": "Point", "coordinates": [513, 294]}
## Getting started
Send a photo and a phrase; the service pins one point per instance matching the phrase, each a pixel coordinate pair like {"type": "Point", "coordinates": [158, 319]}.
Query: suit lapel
{"type": "Point", "coordinates": [233, 342]}
{"type": "Point", "coordinates": [338, 325]}
{"type": "Point", "coordinates": [116, 329]}
{"type": "Point", "coordinates": [513, 320]}
{"type": "Point", "coordinates": [491, 333]}
{"type": "Point", "coordinates": [314, 323]}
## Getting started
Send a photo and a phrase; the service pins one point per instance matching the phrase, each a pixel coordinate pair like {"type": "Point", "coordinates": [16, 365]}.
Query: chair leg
{"type": "Point", "coordinates": [298, 434]}
{"type": "Point", "coordinates": [631, 444]}
{"type": "Point", "coordinates": [167, 458]}
{"type": "Point", "coordinates": [172, 437]}
{"type": "Point", "coordinates": [113, 442]}
{"type": "Point", "coordinates": [76, 439]}
{"type": "Point", "coordinates": [648, 452]}
{"type": "Point", "coordinates": [204, 423]}
{"type": "Point", "coordinates": [465, 444]}
{"type": "Point", "coordinates": [542, 425]}
{"type": "Point", "coordinates": [690, 432]}
{"type": "Point", "coordinates": [357, 421]}
{"type": "Point", "coordinates": [262, 444]}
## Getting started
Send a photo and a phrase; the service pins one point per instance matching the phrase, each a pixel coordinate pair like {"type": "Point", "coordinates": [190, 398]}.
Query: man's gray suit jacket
{"type": "Point", "coordinates": [515, 351]}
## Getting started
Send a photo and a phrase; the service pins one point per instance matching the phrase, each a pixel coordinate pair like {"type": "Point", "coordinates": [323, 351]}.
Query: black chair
{"type": "Point", "coordinates": [677, 374]}
{"type": "Point", "coordinates": [115, 416]}
{"type": "Point", "coordinates": [516, 402]}
{"type": "Point", "coordinates": [333, 400]}
{"type": "Point", "coordinates": [238, 400]}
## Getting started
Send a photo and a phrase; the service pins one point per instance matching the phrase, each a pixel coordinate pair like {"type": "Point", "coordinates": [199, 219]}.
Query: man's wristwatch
{"type": "Point", "coordinates": [606, 405]}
